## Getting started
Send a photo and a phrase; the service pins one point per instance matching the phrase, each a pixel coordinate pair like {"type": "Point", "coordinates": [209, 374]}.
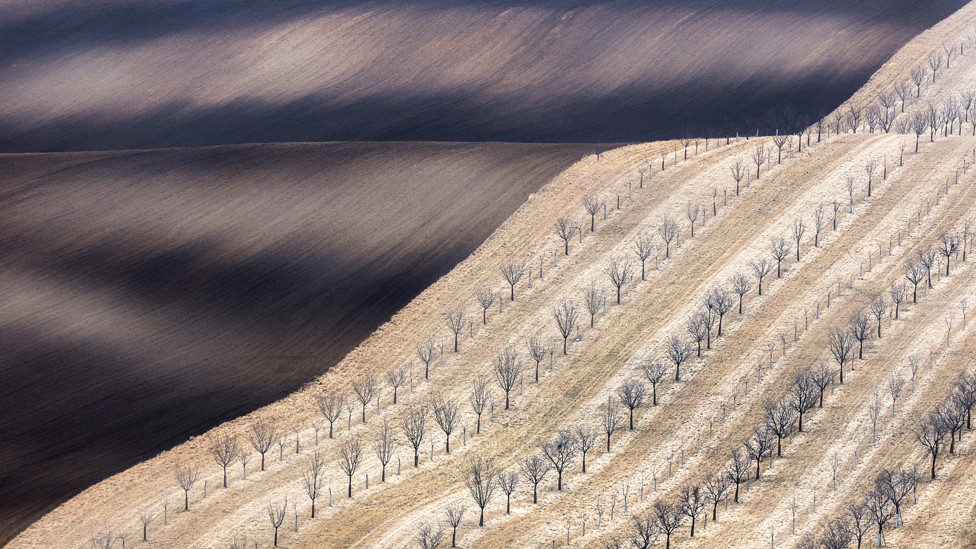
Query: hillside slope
{"type": "Point", "coordinates": [149, 295]}
{"type": "Point", "coordinates": [160, 73]}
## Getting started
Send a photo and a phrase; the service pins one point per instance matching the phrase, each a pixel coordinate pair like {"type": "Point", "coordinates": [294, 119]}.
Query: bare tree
{"type": "Point", "coordinates": [643, 247]}
{"type": "Point", "coordinates": [455, 323]}
{"type": "Point", "coordinates": [384, 448]}
{"type": "Point", "coordinates": [619, 272]}
{"type": "Point", "coordinates": [365, 388]}
{"type": "Point", "coordinates": [585, 440]}
{"type": "Point", "coordinates": [759, 445]}
{"type": "Point", "coordinates": [715, 490]}
{"type": "Point", "coordinates": [948, 245]}
{"type": "Point", "coordinates": [350, 455]}
{"type": "Point", "coordinates": [653, 372]}
{"type": "Point", "coordinates": [759, 157]}
{"type": "Point", "coordinates": [919, 123]}
{"type": "Point", "coordinates": [313, 477]}
{"type": "Point", "coordinates": [780, 418]}
{"type": "Point", "coordinates": [631, 394]}
{"type": "Point", "coordinates": [455, 513]}
{"type": "Point", "coordinates": [927, 258]}
{"type": "Point", "coordinates": [859, 326]}
{"type": "Point", "coordinates": [479, 399]}
{"type": "Point", "coordinates": [513, 273]}
{"type": "Point", "coordinates": [276, 512]}
{"type": "Point", "coordinates": [429, 538]}
{"type": "Point", "coordinates": [841, 345]}
{"type": "Point", "coordinates": [720, 301]}
{"type": "Point", "coordinates": [592, 206]}
{"type": "Point", "coordinates": [879, 508]}
{"type": "Point", "coordinates": [904, 92]}
{"type": "Point", "coordinates": [486, 297]}
{"type": "Point", "coordinates": [146, 516]}
{"type": "Point", "coordinates": [693, 502]}
{"type": "Point", "coordinates": [678, 351]}
{"type": "Point", "coordinates": [798, 229]}
{"type": "Point", "coordinates": [560, 452]}
{"type": "Point", "coordinates": [535, 469]}
{"type": "Point", "coordinates": [803, 395]}
{"type": "Point", "coordinates": [508, 370]}
{"type": "Point", "coordinates": [741, 284]}
{"type": "Point", "coordinates": [481, 483]}
{"type": "Point", "coordinates": [426, 350]}
{"type": "Point", "coordinates": [836, 208]}
{"type": "Point", "coordinates": [737, 470]}
{"type": "Point", "coordinates": [780, 142]}
{"type": "Point", "coordinates": [330, 406]}
{"type": "Point", "coordinates": [225, 450]}
{"type": "Point", "coordinates": [914, 274]}
{"type": "Point", "coordinates": [696, 328]}
{"type": "Point", "coordinates": [858, 517]}
{"type": "Point", "coordinates": [263, 434]}
{"type": "Point", "coordinates": [738, 173]}
{"type": "Point", "coordinates": [935, 63]}
{"type": "Point", "coordinates": [566, 317]}
{"type": "Point", "coordinates": [667, 517]}
{"type": "Point", "coordinates": [878, 308]}
{"type": "Point", "coordinates": [446, 415]}
{"type": "Point", "coordinates": [244, 459]}
{"type": "Point", "coordinates": [953, 418]}
{"type": "Point", "coordinates": [414, 428]}
{"type": "Point", "coordinates": [692, 213]}
{"type": "Point", "coordinates": [930, 434]}
{"type": "Point", "coordinates": [610, 416]}
{"type": "Point", "coordinates": [565, 229]}
{"type": "Point", "coordinates": [396, 377]}
{"type": "Point", "coordinates": [822, 378]}
{"type": "Point", "coordinates": [508, 482]}
{"type": "Point", "coordinates": [668, 230]}
{"type": "Point", "coordinates": [898, 293]}
{"type": "Point", "coordinates": [595, 300]}
{"type": "Point", "coordinates": [761, 267]}
{"type": "Point", "coordinates": [780, 249]}
{"type": "Point", "coordinates": [186, 477]}
{"type": "Point", "coordinates": [538, 351]}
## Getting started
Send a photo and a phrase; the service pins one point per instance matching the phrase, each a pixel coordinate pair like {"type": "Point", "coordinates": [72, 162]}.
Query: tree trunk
{"type": "Point", "coordinates": [631, 419]}
{"type": "Point", "coordinates": [736, 499]}
{"type": "Point", "coordinates": [608, 443]}
{"type": "Point", "coordinates": [416, 458]}
{"type": "Point", "coordinates": [506, 400]}
{"type": "Point", "coordinates": [564, 344]}
{"type": "Point", "coordinates": [481, 521]}
{"type": "Point", "coordinates": [535, 493]}
{"type": "Point", "coordinates": [654, 393]}
{"type": "Point", "coordinates": [225, 476]}
{"type": "Point", "coordinates": [350, 485]}
{"type": "Point", "coordinates": [186, 500]}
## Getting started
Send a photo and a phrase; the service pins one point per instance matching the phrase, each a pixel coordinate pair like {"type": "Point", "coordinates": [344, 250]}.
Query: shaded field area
{"type": "Point", "coordinates": [149, 295]}
{"type": "Point", "coordinates": [163, 73]}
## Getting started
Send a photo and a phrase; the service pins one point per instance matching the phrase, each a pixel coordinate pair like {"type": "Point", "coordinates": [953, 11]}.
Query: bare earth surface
{"type": "Point", "coordinates": [114, 74]}
{"type": "Point", "coordinates": [153, 294]}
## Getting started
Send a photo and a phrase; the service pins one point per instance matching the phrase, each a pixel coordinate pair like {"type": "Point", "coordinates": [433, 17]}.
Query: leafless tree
{"type": "Point", "coordinates": [668, 517]}
{"type": "Point", "coordinates": [446, 416]}
{"type": "Point", "coordinates": [538, 351]}
{"type": "Point", "coordinates": [927, 259]}
{"type": "Point", "coordinates": [565, 229]}
{"type": "Point", "coordinates": [592, 206]}
{"type": "Point", "coordinates": [595, 300]}
{"type": "Point", "coordinates": [678, 351]}
{"type": "Point", "coordinates": [429, 538]}
{"type": "Point", "coordinates": [966, 394]}
{"type": "Point", "coordinates": [384, 448]}
{"type": "Point", "coordinates": [146, 516]}
{"type": "Point", "coordinates": [761, 267]}
{"type": "Point", "coordinates": [508, 482]}
{"type": "Point", "coordinates": [426, 350]}
{"type": "Point", "coordinates": [780, 249]}
{"type": "Point", "coordinates": [836, 209]}
{"type": "Point", "coordinates": [610, 417]}
{"type": "Point", "coordinates": [858, 517]}
{"type": "Point", "coordinates": [263, 434]}
{"type": "Point", "coordinates": [930, 434]}
{"type": "Point", "coordinates": [414, 429]}
{"type": "Point", "coordinates": [741, 284]}
{"type": "Point", "coordinates": [818, 223]}
{"type": "Point", "coordinates": [854, 113]}
{"type": "Point", "coordinates": [693, 503]}
{"type": "Point", "coordinates": [692, 213]}
{"type": "Point", "coordinates": [737, 470]}
{"type": "Point", "coordinates": [643, 247]}
{"type": "Point", "coordinates": [479, 399]}
{"type": "Point", "coordinates": [619, 272]}
{"type": "Point", "coordinates": [696, 328]}
{"type": "Point", "coordinates": [738, 173]}
{"type": "Point", "coordinates": [798, 229]}
{"type": "Point", "coordinates": [914, 273]}
{"type": "Point", "coordinates": [560, 452]}
{"type": "Point", "coordinates": [566, 318]}
{"type": "Point", "coordinates": [919, 123]}
{"type": "Point", "coordinates": [904, 92]}
{"type": "Point", "coordinates": [803, 395]}
{"type": "Point", "coordinates": [330, 406]}
{"type": "Point", "coordinates": [668, 230]}
{"type": "Point", "coordinates": [967, 232]}
{"type": "Point", "coordinates": [535, 469]}
{"type": "Point", "coordinates": [898, 293]}
{"type": "Point", "coordinates": [455, 323]}
{"type": "Point", "coordinates": [631, 394]}
{"type": "Point", "coordinates": [720, 301]}
{"type": "Point", "coordinates": [313, 477]}
{"type": "Point", "coordinates": [486, 297]}
{"type": "Point", "coordinates": [953, 418]}
{"type": "Point", "coordinates": [822, 378]}
{"type": "Point", "coordinates": [276, 512]}
{"type": "Point", "coordinates": [948, 245]}
{"type": "Point", "coordinates": [350, 455]}
{"type": "Point", "coordinates": [780, 142]}
{"type": "Point", "coordinates": [244, 459]}
{"type": "Point", "coordinates": [715, 490]}
{"type": "Point", "coordinates": [513, 273]}
{"type": "Point", "coordinates": [508, 370]}
{"type": "Point", "coordinates": [396, 377]}
{"type": "Point", "coordinates": [780, 418]}
{"type": "Point", "coordinates": [585, 440]}
{"type": "Point", "coordinates": [281, 440]}
{"type": "Point", "coordinates": [653, 372]}
{"type": "Point", "coordinates": [225, 450]}
{"type": "Point", "coordinates": [186, 477]}
{"type": "Point", "coordinates": [759, 157]}
{"type": "Point", "coordinates": [455, 513]}
{"type": "Point", "coordinates": [878, 307]}
{"type": "Point", "coordinates": [880, 509]}
{"type": "Point", "coordinates": [481, 483]}
{"type": "Point", "coordinates": [759, 445]}
{"type": "Point", "coordinates": [860, 328]}
{"type": "Point", "coordinates": [841, 345]}
{"type": "Point", "coordinates": [935, 63]}
{"type": "Point", "coordinates": [364, 387]}
{"type": "Point", "coordinates": [102, 540]}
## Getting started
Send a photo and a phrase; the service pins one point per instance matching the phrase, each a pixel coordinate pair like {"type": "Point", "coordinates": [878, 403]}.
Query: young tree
{"type": "Point", "coordinates": [538, 351]}
{"type": "Point", "coordinates": [610, 416]}
{"type": "Point", "coordinates": [384, 448]}
{"type": "Point", "coordinates": [481, 483]}
{"type": "Point", "coordinates": [486, 298]}
{"type": "Point", "coordinates": [930, 434]}
{"type": "Point", "coordinates": [313, 477]}
{"type": "Point", "coordinates": [455, 323]}
{"type": "Point", "coordinates": [927, 258]}
{"type": "Point", "coordinates": [446, 415]}
{"type": "Point", "coordinates": [761, 267]}
{"type": "Point", "coordinates": [715, 490]}
{"type": "Point", "coordinates": [560, 452]}
{"type": "Point", "coordinates": [741, 284]}
{"type": "Point", "coordinates": [479, 399]}
{"type": "Point", "coordinates": [935, 63]}
{"type": "Point", "coordinates": [365, 388]}
{"type": "Point", "coordinates": [720, 301]}
{"type": "Point", "coordinates": [859, 326]}
{"type": "Point", "coordinates": [779, 417]}
{"type": "Point", "coordinates": [780, 142]}
{"type": "Point", "coordinates": [263, 434]}
{"type": "Point", "coordinates": [898, 293]}
{"type": "Point", "coordinates": [565, 229]}
{"type": "Point", "coordinates": [592, 206]}
{"type": "Point", "coordinates": [330, 406]}
{"type": "Point", "coordinates": [737, 470]}
{"type": "Point", "coordinates": [414, 428]}
{"type": "Point", "coordinates": [631, 394]}
{"type": "Point", "coordinates": [513, 273]}
{"type": "Point", "coordinates": [668, 230]}
{"type": "Point", "coordinates": [225, 450]}
{"type": "Point", "coordinates": [455, 513]}
{"type": "Point", "coordinates": [878, 308]}
{"type": "Point", "coordinates": [619, 272]}
{"type": "Point", "coordinates": [759, 445]}
{"type": "Point", "coordinates": [692, 213]}
{"type": "Point", "coordinates": [508, 369]}
{"type": "Point", "coordinates": [822, 378]}
{"type": "Point", "coordinates": [803, 395]}
{"type": "Point", "coordinates": [585, 440]}
{"type": "Point", "coordinates": [919, 123]}
{"type": "Point", "coordinates": [644, 248]}
{"type": "Point", "coordinates": [566, 317]}
{"type": "Point", "coordinates": [948, 245]}
{"type": "Point", "coordinates": [858, 518]}
{"type": "Point", "coordinates": [535, 469]}
{"type": "Point", "coordinates": [841, 345]}
{"type": "Point", "coordinates": [693, 502]}
{"type": "Point", "coordinates": [759, 157]}
{"type": "Point", "coordinates": [953, 417]}
{"type": "Point", "coordinates": [653, 372]}
{"type": "Point", "coordinates": [914, 274]}
{"type": "Point", "coordinates": [276, 512]}
{"type": "Point", "coordinates": [508, 482]}
{"type": "Point", "coordinates": [780, 249]}
{"type": "Point", "coordinates": [678, 351]}
{"type": "Point", "coordinates": [350, 455]}
{"type": "Point", "coordinates": [428, 538]}
{"type": "Point", "coordinates": [696, 328]}
{"type": "Point", "coordinates": [738, 173]}
{"type": "Point", "coordinates": [396, 377]}
{"type": "Point", "coordinates": [667, 517]}
{"type": "Point", "coordinates": [426, 351]}
{"type": "Point", "coordinates": [146, 516]}
{"type": "Point", "coordinates": [880, 509]}
{"type": "Point", "coordinates": [595, 300]}
{"type": "Point", "coordinates": [186, 477]}
{"type": "Point", "coordinates": [798, 229]}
